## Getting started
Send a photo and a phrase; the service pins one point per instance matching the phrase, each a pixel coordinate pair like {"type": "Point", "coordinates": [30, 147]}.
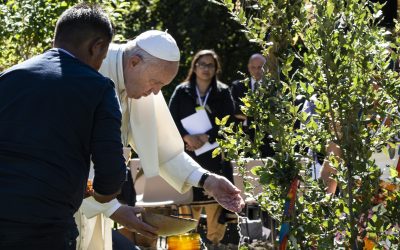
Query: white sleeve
{"type": "Point", "coordinates": [177, 172]}
{"type": "Point", "coordinates": [90, 207]}
{"type": "Point", "coordinates": [159, 144]}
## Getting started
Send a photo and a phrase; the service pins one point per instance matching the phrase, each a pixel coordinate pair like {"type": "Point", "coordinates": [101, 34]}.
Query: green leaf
{"type": "Point", "coordinates": [216, 152]}
{"type": "Point", "coordinates": [346, 210]}
{"type": "Point", "coordinates": [329, 8]}
{"type": "Point", "coordinates": [255, 170]}
{"type": "Point", "coordinates": [217, 121]}
{"type": "Point", "coordinates": [310, 89]}
{"type": "Point", "coordinates": [385, 150]}
{"type": "Point", "coordinates": [224, 120]}
{"type": "Point", "coordinates": [374, 217]}
{"type": "Point", "coordinates": [393, 172]}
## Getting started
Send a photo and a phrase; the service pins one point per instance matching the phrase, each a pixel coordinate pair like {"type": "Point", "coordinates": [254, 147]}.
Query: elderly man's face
{"type": "Point", "coordinates": [143, 78]}
{"type": "Point", "coordinates": [256, 68]}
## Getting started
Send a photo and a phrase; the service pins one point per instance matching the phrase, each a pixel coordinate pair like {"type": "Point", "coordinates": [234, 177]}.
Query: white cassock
{"type": "Point", "coordinates": [148, 124]}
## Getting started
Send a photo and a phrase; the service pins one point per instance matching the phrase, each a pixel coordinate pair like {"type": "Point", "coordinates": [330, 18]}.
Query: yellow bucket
{"type": "Point", "coordinates": [190, 241]}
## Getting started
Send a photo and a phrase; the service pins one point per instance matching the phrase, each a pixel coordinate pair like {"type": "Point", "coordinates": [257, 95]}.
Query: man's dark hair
{"type": "Point", "coordinates": [82, 22]}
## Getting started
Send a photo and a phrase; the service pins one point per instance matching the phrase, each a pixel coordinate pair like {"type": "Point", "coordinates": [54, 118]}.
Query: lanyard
{"type": "Point", "coordinates": [205, 99]}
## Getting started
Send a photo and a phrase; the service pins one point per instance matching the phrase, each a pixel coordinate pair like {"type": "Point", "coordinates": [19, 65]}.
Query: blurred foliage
{"type": "Point", "coordinates": [333, 54]}
{"type": "Point", "coordinates": [28, 30]}
{"type": "Point", "coordinates": [28, 26]}
{"type": "Point", "coordinates": [196, 25]}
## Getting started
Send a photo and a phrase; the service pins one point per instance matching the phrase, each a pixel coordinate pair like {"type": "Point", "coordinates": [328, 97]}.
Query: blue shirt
{"type": "Point", "coordinates": [56, 114]}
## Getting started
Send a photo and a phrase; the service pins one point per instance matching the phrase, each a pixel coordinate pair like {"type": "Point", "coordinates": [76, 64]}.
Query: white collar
{"type": "Point", "coordinates": [112, 66]}
{"type": "Point", "coordinates": [252, 80]}
{"type": "Point", "coordinates": [66, 52]}
{"type": "Point", "coordinates": [252, 83]}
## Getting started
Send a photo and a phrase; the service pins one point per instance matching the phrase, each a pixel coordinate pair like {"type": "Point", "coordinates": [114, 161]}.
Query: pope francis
{"type": "Point", "coordinates": [139, 69]}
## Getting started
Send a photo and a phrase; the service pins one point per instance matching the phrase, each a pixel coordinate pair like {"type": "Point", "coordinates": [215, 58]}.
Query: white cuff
{"type": "Point", "coordinates": [194, 177]}
{"type": "Point", "coordinates": [91, 207]}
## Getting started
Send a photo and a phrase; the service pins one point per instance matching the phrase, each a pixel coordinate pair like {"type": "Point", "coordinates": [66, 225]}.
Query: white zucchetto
{"type": "Point", "coordinates": [159, 44]}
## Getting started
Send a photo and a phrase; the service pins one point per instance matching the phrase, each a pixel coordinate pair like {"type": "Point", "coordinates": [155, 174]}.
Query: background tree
{"type": "Point", "coordinates": [335, 54]}
{"type": "Point", "coordinates": [198, 24]}
{"type": "Point", "coordinates": [28, 26]}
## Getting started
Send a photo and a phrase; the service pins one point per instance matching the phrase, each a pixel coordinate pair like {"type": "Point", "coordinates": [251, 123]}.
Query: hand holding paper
{"type": "Point", "coordinates": [193, 142]}
{"type": "Point", "coordinates": [199, 123]}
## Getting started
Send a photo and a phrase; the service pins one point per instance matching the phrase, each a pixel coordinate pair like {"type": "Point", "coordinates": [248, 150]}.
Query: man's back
{"type": "Point", "coordinates": [54, 110]}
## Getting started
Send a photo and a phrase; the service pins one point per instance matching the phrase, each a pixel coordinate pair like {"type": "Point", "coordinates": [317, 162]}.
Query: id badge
{"type": "Point", "coordinates": [198, 108]}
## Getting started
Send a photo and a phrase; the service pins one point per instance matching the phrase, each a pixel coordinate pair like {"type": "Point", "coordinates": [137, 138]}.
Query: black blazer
{"type": "Point", "coordinates": [183, 103]}
{"type": "Point", "coordinates": [56, 114]}
{"type": "Point", "coordinates": [239, 90]}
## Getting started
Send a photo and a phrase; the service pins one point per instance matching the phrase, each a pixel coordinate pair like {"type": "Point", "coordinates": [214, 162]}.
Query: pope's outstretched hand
{"type": "Point", "coordinates": [224, 192]}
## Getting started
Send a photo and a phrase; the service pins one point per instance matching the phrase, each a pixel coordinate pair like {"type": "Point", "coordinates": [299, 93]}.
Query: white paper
{"type": "Point", "coordinates": [199, 123]}
{"type": "Point", "coordinates": [266, 232]}
{"type": "Point", "coordinates": [206, 147]}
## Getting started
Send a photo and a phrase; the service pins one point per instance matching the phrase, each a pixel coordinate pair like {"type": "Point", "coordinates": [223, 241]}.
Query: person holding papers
{"type": "Point", "coordinates": [194, 105]}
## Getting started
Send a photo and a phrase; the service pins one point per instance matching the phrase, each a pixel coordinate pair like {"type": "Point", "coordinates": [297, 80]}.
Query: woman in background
{"type": "Point", "coordinates": [202, 91]}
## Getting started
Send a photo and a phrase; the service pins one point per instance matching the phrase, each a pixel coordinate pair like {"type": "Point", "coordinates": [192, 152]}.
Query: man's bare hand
{"type": "Point", "coordinates": [127, 217]}
{"type": "Point", "coordinates": [224, 192]}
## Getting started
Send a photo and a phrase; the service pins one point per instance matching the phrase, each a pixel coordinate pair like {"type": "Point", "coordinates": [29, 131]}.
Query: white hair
{"type": "Point", "coordinates": [259, 56]}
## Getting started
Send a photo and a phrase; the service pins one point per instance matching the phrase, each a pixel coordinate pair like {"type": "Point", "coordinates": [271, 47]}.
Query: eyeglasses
{"type": "Point", "coordinates": [209, 66]}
